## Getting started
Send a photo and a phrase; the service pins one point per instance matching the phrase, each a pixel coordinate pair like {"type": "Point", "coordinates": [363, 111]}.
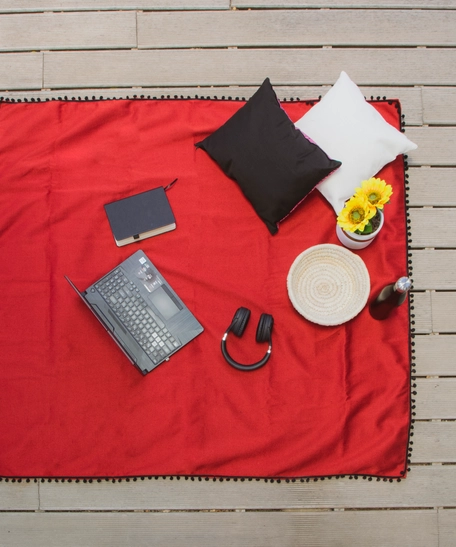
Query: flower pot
{"type": "Point", "coordinates": [358, 241]}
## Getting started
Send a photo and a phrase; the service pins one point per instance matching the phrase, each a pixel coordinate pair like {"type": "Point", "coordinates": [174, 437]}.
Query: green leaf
{"type": "Point", "coordinates": [367, 230]}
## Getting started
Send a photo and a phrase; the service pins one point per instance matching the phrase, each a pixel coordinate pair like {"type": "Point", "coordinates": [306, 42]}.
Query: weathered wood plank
{"type": "Point", "coordinates": [444, 312]}
{"type": "Point", "coordinates": [376, 66]}
{"type": "Point", "coordinates": [447, 527]}
{"type": "Point", "coordinates": [268, 529]}
{"type": "Point", "coordinates": [425, 486]}
{"type": "Point", "coordinates": [430, 227]}
{"type": "Point", "coordinates": [436, 399]}
{"type": "Point", "coordinates": [434, 186]}
{"type": "Point", "coordinates": [435, 355]}
{"type": "Point", "coordinates": [20, 6]}
{"type": "Point", "coordinates": [436, 145]}
{"type": "Point", "coordinates": [439, 105]}
{"type": "Point", "coordinates": [21, 71]}
{"type": "Point", "coordinates": [421, 303]}
{"type": "Point", "coordinates": [6, 6]}
{"type": "Point", "coordinates": [434, 442]}
{"type": "Point", "coordinates": [434, 269]}
{"type": "Point", "coordinates": [18, 496]}
{"type": "Point", "coordinates": [94, 30]}
{"type": "Point", "coordinates": [259, 28]}
{"type": "Point", "coordinates": [410, 97]}
{"type": "Point", "coordinates": [370, 4]}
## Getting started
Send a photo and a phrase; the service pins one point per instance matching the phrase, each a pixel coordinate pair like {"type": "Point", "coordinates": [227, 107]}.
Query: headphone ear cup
{"type": "Point", "coordinates": [264, 329]}
{"type": "Point", "coordinates": [240, 320]}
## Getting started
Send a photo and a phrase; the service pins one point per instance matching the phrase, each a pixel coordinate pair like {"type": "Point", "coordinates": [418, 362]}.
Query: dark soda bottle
{"type": "Point", "coordinates": [390, 297]}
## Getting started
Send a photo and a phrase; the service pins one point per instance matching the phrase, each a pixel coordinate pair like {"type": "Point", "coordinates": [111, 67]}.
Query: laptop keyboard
{"type": "Point", "coordinates": [126, 301]}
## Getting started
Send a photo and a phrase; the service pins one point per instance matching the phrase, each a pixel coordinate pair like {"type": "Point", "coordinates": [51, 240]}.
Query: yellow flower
{"type": "Point", "coordinates": [376, 191]}
{"type": "Point", "coordinates": [356, 214]}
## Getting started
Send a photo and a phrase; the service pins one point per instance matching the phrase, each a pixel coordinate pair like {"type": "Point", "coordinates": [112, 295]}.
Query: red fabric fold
{"type": "Point", "coordinates": [330, 401]}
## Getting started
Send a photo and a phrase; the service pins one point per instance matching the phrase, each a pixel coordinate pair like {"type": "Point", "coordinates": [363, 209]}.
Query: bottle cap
{"type": "Point", "coordinates": [403, 284]}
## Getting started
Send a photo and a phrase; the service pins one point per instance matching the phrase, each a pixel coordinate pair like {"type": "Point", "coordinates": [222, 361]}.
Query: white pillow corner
{"type": "Point", "coordinates": [351, 130]}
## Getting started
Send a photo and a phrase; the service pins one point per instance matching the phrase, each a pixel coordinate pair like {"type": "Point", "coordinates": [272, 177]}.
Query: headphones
{"type": "Point", "coordinates": [263, 334]}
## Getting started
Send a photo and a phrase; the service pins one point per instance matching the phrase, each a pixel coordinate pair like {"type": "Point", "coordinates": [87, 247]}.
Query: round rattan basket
{"type": "Point", "coordinates": [328, 284]}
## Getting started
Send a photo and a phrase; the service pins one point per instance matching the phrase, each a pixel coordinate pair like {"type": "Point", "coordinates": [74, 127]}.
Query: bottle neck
{"type": "Point", "coordinates": [402, 285]}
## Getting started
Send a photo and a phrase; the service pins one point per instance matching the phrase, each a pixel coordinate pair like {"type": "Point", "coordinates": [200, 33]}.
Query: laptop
{"type": "Point", "coordinates": [141, 312]}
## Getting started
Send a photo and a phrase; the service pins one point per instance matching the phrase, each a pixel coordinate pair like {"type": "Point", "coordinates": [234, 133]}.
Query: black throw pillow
{"type": "Point", "coordinates": [274, 164]}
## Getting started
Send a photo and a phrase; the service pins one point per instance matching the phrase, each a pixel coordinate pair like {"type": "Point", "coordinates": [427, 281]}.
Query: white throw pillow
{"type": "Point", "coordinates": [350, 130]}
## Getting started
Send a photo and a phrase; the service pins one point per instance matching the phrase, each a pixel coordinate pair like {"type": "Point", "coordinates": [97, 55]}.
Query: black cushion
{"type": "Point", "coordinates": [275, 165]}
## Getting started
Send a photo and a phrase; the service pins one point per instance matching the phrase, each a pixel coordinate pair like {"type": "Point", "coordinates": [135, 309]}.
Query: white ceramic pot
{"type": "Point", "coordinates": [358, 241]}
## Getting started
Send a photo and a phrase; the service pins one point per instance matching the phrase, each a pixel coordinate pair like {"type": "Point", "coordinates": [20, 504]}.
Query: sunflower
{"type": "Point", "coordinates": [356, 214]}
{"type": "Point", "coordinates": [376, 191]}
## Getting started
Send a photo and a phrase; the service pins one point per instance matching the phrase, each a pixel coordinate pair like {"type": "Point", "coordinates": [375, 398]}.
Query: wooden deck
{"type": "Point", "coordinates": [396, 48]}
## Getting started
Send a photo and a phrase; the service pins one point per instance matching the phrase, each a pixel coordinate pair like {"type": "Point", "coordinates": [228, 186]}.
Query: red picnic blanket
{"type": "Point", "coordinates": [330, 401]}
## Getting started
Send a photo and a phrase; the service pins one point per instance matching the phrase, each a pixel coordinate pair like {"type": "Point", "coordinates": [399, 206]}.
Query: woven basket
{"type": "Point", "coordinates": [328, 284]}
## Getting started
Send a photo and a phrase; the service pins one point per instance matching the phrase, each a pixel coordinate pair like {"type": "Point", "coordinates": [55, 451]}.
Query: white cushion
{"type": "Point", "coordinates": [350, 130]}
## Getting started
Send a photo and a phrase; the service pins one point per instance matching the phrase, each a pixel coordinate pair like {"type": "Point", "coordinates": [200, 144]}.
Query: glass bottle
{"type": "Point", "coordinates": [390, 297]}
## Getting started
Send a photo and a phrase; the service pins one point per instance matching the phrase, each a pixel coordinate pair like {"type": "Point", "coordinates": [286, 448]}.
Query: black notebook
{"type": "Point", "coordinates": [140, 216]}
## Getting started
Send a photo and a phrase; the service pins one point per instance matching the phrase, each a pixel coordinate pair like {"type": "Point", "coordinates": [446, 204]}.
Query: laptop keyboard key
{"type": "Point", "coordinates": [126, 301]}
